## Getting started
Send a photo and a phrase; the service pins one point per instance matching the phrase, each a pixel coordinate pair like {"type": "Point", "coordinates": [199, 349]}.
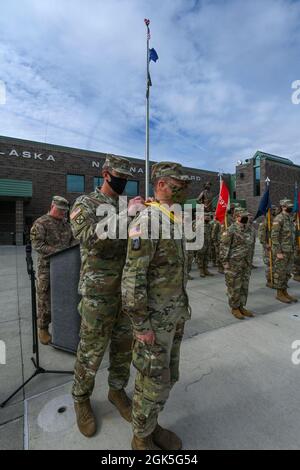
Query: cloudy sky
{"type": "Point", "coordinates": [74, 72]}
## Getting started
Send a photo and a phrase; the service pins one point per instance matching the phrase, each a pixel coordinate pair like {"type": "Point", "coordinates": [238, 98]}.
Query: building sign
{"type": "Point", "coordinates": [29, 155]}
{"type": "Point", "coordinates": [138, 170]}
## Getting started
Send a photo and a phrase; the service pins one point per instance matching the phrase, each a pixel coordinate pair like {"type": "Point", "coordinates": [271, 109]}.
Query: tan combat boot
{"type": "Point", "coordinates": [202, 273]}
{"type": "Point", "coordinates": [247, 313]}
{"type": "Point", "coordinates": [44, 336]}
{"type": "Point", "coordinates": [165, 439]}
{"type": "Point", "coordinates": [296, 277]}
{"type": "Point", "coordinates": [121, 401]}
{"type": "Point", "coordinates": [290, 297]}
{"type": "Point", "coordinates": [143, 443]}
{"type": "Point", "coordinates": [85, 418]}
{"type": "Point", "coordinates": [237, 313]}
{"type": "Point", "coordinates": [281, 297]}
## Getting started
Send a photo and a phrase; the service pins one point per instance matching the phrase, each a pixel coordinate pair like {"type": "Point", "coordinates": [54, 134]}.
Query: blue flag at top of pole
{"type": "Point", "coordinates": [296, 207]}
{"type": "Point", "coordinates": [153, 55]}
{"type": "Point", "coordinates": [265, 204]}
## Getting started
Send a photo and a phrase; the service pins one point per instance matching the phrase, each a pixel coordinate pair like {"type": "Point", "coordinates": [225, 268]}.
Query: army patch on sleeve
{"type": "Point", "coordinates": [136, 244]}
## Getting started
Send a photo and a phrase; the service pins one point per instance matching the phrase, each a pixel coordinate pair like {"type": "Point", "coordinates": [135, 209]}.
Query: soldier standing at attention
{"type": "Point", "coordinates": [49, 234]}
{"type": "Point", "coordinates": [264, 238]}
{"type": "Point", "coordinates": [154, 295]}
{"type": "Point", "coordinates": [236, 252]}
{"type": "Point", "coordinates": [283, 246]}
{"type": "Point", "coordinates": [102, 319]}
{"type": "Point", "coordinates": [202, 255]}
{"type": "Point", "coordinates": [215, 239]}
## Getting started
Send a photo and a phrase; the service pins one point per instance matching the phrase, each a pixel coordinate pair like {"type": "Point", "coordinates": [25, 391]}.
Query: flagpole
{"type": "Point", "coordinates": [147, 172]}
{"type": "Point", "coordinates": [270, 239]}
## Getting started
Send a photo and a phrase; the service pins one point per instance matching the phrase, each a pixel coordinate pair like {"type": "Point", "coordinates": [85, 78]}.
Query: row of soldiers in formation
{"type": "Point", "coordinates": [233, 249]}
{"type": "Point", "coordinates": [133, 293]}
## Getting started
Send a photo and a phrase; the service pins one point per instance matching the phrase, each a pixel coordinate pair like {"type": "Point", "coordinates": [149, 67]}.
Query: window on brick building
{"type": "Point", "coordinates": [256, 169]}
{"type": "Point", "coordinates": [98, 181]}
{"type": "Point", "coordinates": [132, 188]}
{"type": "Point", "coordinates": [75, 184]}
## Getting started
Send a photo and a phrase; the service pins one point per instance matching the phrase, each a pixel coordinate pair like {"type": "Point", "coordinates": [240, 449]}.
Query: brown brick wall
{"type": "Point", "coordinates": [49, 178]}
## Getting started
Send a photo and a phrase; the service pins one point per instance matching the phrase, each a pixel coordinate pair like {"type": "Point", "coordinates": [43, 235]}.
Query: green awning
{"type": "Point", "coordinates": [15, 188]}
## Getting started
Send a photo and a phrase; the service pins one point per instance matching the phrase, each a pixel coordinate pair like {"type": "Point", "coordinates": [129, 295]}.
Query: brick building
{"type": "Point", "coordinates": [32, 172]}
{"type": "Point", "coordinates": [251, 178]}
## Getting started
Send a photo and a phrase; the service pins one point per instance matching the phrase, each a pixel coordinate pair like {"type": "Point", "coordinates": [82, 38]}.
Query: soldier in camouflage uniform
{"type": "Point", "coordinates": [283, 247]}
{"type": "Point", "coordinates": [102, 319]}
{"type": "Point", "coordinates": [49, 234]}
{"type": "Point", "coordinates": [264, 238]}
{"type": "Point", "coordinates": [202, 255]}
{"type": "Point", "coordinates": [154, 295]}
{"type": "Point", "coordinates": [253, 234]}
{"type": "Point", "coordinates": [216, 238]}
{"type": "Point", "coordinates": [205, 197]}
{"type": "Point", "coordinates": [236, 252]}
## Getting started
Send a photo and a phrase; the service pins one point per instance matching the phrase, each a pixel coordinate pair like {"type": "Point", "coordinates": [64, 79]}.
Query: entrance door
{"type": "Point", "coordinates": [7, 222]}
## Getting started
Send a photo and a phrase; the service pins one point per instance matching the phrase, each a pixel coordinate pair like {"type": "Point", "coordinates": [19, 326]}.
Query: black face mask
{"type": "Point", "coordinates": [244, 220]}
{"type": "Point", "coordinates": [117, 184]}
{"type": "Point", "coordinates": [289, 210]}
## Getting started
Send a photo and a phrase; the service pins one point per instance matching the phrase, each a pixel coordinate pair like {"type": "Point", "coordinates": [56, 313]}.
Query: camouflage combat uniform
{"type": "Point", "coordinates": [48, 235]}
{"type": "Point", "coordinates": [263, 236]}
{"type": "Point", "coordinates": [154, 295]}
{"type": "Point", "coordinates": [283, 241]}
{"type": "Point", "coordinates": [216, 239]}
{"type": "Point", "coordinates": [202, 255]}
{"type": "Point", "coordinates": [236, 249]}
{"type": "Point", "coordinates": [102, 319]}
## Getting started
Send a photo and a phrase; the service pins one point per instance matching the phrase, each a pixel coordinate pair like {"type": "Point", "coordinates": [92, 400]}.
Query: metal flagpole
{"type": "Point", "coordinates": [269, 239]}
{"type": "Point", "coordinates": [147, 171]}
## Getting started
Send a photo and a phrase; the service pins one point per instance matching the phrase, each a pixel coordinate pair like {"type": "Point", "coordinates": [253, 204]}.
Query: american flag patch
{"type": "Point", "coordinates": [75, 213]}
{"type": "Point", "coordinates": [135, 232]}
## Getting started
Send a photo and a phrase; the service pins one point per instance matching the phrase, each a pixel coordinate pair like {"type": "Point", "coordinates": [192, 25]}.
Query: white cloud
{"type": "Point", "coordinates": [75, 75]}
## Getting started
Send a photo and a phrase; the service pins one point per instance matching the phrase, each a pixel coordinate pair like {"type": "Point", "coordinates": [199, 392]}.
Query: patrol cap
{"type": "Point", "coordinates": [286, 203]}
{"type": "Point", "coordinates": [170, 169]}
{"type": "Point", "coordinates": [119, 164]}
{"type": "Point", "coordinates": [241, 212]}
{"type": "Point", "coordinates": [60, 203]}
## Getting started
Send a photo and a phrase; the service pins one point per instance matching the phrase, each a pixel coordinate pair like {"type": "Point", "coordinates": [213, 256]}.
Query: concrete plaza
{"type": "Point", "coordinates": [239, 388]}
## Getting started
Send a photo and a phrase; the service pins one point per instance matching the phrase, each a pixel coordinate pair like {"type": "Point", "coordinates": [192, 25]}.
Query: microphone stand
{"type": "Point", "coordinates": [35, 341]}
